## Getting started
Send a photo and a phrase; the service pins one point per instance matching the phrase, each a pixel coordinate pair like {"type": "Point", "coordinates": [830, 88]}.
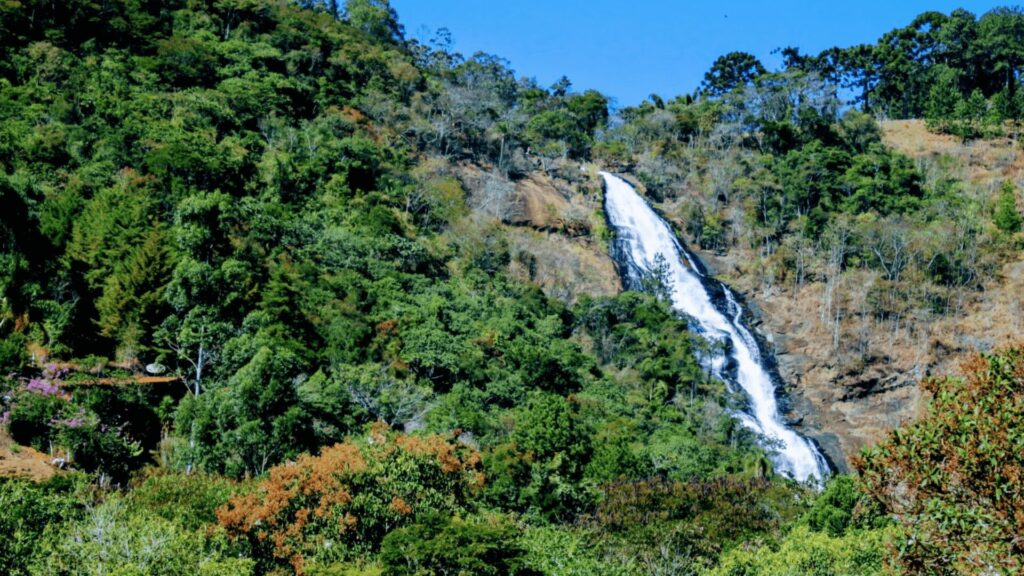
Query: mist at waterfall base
{"type": "Point", "coordinates": [641, 236]}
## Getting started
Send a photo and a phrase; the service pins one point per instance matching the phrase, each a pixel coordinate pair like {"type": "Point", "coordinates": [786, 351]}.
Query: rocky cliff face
{"type": "Point", "coordinates": [553, 224]}
{"type": "Point", "coordinates": [847, 403]}
{"type": "Point", "coordinates": [848, 399]}
{"type": "Point", "coordinates": [842, 402]}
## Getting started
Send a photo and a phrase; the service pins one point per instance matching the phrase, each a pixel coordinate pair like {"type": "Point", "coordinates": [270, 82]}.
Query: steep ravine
{"type": "Point", "coordinates": [843, 403]}
{"type": "Point", "coordinates": [805, 393]}
{"type": "Point", "coordinates": [846, 401]}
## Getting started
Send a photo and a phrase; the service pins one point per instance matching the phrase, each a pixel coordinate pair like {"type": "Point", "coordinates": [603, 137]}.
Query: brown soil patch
{"type": "Point", "coordinates": [563, 267]}
{"type": "Point", "coordinates": [122, 381]}
{"type": "Point", "coordinates": [982, 164]}
{"type": "Point", "coordinates": [23, 462]}
{"type": "Point", "coordinates": [912, 138]}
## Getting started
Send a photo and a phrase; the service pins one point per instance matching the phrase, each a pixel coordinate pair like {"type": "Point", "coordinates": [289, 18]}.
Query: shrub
{"type": "Point", "coordinates": [833, 509]}
{"type": "Point", "coordinates": [806, 553]}
{"type": "Point", "coordinates": [26, 510]}
{"type": "Point", "coordinates": [13, 355]}
{"type": "Point", "coordinates": [35, 405]}
{"type": "Point", "coordinates": [439, 545]}
{"type": "Point", "coordinates": [118, 539]}
{"type": "Point", "coordinates": [954, 479]}
{"type": "Point", "coordinates": [346, 500]}
{"type": "Point", "coordinates": [190, 501]}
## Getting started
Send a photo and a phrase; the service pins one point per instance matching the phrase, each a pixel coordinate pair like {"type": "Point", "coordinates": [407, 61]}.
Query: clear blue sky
{"type": "Point", "coordinates": [629, 49]}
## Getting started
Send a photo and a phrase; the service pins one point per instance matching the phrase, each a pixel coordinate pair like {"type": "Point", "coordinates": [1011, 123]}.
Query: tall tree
{"type": "Point", "coordinates": [1001, 34]}
{"type": "Point", "coordinates": [731, 71]}
{"type": "Point", "coordinates": [376, 18]}
{"type": "Point", "coordinates": [1007, 216]}
{"type": "Point", "coordinates": [958, 47]}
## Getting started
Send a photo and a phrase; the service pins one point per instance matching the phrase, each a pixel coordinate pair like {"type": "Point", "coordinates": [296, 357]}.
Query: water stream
{"type": "Point", "coordinates": [641, 235]}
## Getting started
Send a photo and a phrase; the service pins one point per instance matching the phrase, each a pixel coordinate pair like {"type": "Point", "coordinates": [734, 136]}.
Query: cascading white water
{"type": "Point", "coordinates": [640, 236]}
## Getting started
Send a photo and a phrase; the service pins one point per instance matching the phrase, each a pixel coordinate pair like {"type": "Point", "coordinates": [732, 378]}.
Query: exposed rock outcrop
{"type": "Point", "coordinates": [552, 225]}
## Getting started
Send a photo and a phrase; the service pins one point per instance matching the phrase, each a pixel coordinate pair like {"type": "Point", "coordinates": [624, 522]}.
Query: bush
{"type": "Point", "coordinates": [31, 418]}
{"type": "Point", "coordinates": [725, 510]}
{"type": "Point", "coordinates": [118, 539]}
{"type": "Point", "coordinates": [561, 551]}
{"type": "Point", "coordinates": [833, 509]}
{"type": "Point", "coordinates": [190, 501]}
{"type": "Point", "coordinates": [955, 478]}
{"type": "Point", "coordinates": [806, 553]}
{"type": "Point", "coordinates": [343, 502]}
{"type": "Point", "coordinates": [26, 510]}
{"type": "Point", "coordinates": [439, 545]}
{"type": "Point", "coordinates": [99, 448]}
{"type": "Point", "coordinates": [1007, 217]}
{"type": "Point", "coordinates": [13, 355]}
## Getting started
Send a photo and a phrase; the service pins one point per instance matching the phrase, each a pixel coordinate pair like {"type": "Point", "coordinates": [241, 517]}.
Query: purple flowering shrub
{"type": "Point", "coordinates": [48, 383]}
{"type": "Point", "coordinates": [42, 386]}
{"type": "Point", "coordinates": [32, 407]}
{"type": "Point", "coordinates": [97, 429]}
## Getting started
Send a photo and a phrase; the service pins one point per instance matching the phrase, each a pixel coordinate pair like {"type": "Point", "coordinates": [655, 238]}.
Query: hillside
{"type": "Point", "coordinates": [315, 233]}
{"type": "Point", "coordinates": [553, 226]}
{"type": "Point", "coordinates": [852, 400]}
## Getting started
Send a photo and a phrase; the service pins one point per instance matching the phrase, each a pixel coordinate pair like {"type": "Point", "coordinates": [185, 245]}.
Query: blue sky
{"type": "Point", "coordinates": [628, 49]}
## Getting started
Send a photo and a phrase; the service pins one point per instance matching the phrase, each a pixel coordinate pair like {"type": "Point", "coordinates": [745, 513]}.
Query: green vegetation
{"type": "Point", "coordinates": [262, 201]}
{"type": "Point", "coordinates": [259, 198]}
{"type": "Point", "coordinates": [1007, 217]}
{"type": "Point", "coordinates": [774, 174]}
{"type": "Point", "coordinates": [117, 538]}
{"type": "Point", "coordinates": [805, 552]}
{"type": "Point", "coordinates": [959, 71]}
{"type": "Point", "coordinates": [960, 466]}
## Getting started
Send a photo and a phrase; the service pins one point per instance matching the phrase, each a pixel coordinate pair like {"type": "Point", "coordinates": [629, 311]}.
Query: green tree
{"type": "Point", "coordinates": [859, 131]}
{"type": "Point", "coordinates": [541, 469]}
{"type": "Point", "coordinates": [944, 98]}
{"type": "Point", "coordinates": [731, 71]}
{"type": "Point", "coordinates": [374, 17]}
{"type": "Point", "coordinates": [590, 110]}
{"type": "Point", "coordinates": [251, 422]}
{"type": "Point", "coordinates": [971, 114]}
{"type": "Point", "coordinates": [113, 538]}
{"type": "Point", "coordinates": [438, 545]}
{"type": "Point", "coordinates": [122, 251]}
{"type": "Point", "coordinates": [1001, 39]}
{"type": "Point", "coordinates": [1007, 216]}
{"type": "Point", "coordinates": [952, 479]}
{"type": "Point", "coordinates": [833, 509]}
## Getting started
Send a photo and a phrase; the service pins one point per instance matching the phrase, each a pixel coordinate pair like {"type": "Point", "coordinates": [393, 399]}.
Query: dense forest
{"type": "Point", "coordinates": [257, 315]}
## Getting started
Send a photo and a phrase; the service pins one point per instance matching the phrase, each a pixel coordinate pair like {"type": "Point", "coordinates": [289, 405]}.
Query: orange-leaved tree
{"type": "Point", "coordinates": [344, 501]}
{"type": "Point", "coordinates": [955, 478]}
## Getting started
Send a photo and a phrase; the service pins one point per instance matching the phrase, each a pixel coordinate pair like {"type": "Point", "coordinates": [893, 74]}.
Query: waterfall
{"type": "Point", "coordinates": [641, 236]}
